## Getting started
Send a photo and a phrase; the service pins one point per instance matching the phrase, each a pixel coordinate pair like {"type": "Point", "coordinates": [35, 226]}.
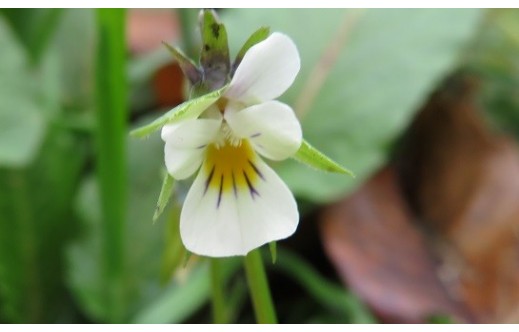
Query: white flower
{"type": "Point", "coordinates": [237, 202]}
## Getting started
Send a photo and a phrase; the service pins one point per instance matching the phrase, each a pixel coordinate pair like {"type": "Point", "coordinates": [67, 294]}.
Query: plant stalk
{"type": "Point", "coordinates": [259, 288]}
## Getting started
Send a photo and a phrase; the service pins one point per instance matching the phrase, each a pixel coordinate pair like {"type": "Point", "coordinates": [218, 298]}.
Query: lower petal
{"type": "Point", "coordinates": [236, 206]}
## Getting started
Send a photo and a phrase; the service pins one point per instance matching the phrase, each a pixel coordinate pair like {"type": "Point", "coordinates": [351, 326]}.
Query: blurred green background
{"type": "Point", "coordinates": [77, 195]}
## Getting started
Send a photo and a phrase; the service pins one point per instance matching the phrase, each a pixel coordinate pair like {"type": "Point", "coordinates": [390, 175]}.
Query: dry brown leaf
{"type": "Point", "coordinates": [382, 256]}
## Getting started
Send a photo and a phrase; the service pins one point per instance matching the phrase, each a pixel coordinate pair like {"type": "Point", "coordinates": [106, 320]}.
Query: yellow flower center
{"type": "Point", "coordinates": [230, 168]}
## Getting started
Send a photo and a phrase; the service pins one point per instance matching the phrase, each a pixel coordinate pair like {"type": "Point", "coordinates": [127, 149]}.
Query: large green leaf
{"type": "Point", "coordinates": [22, 123]}
{"type": "Point", "coordinates": [364, 74]}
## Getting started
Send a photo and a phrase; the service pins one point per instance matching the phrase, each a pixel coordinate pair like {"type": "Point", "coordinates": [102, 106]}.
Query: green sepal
{"type": "Point", "coordinates": [312, 157]}
{"type": "Point", "coordinates": [165, 194]}
{"type": "Point", "coordinates": [259, 35]}
{"type": "Point", "coordinates": [188, 110]}
{"type": "Point", "coordinates": [273, 251]}
{"type": "Point", "coordinates": [188, 67]}
{"type": "Point", "coordinates": [214, 57]}
{"type": "Point", "coordinates": [187, 256]}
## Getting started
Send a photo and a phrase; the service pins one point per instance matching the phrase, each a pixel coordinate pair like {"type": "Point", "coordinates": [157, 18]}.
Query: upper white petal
{"type": "Point", "coordinates": [241, 222]}
{"type": "Point", "coordinates": [272, 128]}
{"type": "Point", "coordinates": [185, 145]}
{"type": "Point", "coordinates": [266, 71]}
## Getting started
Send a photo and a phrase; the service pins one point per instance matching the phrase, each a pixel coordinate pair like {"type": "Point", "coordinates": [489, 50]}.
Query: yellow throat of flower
{"type": "Point", "coordinates": [231, 168]}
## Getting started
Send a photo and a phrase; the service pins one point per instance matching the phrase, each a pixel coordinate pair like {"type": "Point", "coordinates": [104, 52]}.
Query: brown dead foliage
{"type": "Point", "coordinates": [438, 232]}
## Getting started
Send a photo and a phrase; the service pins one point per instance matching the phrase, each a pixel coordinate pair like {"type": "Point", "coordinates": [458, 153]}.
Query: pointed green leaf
{"type": "Point", "coordinates": [214, 57]}
{"type": "Point", "coordinates": [165, 194]}
{"type": "Point", "coordinates": [187, 256]}
{"type": "Point", "coordinates": [310, 156]}
{"type": "Point", "coordinates": [273, 251]}
{"type": "Point", "coordinates": [259, 35]}
{"type": "Point", "coordinates": [189, 109]}
{"type": "Point", "coordinates": [188, 67]}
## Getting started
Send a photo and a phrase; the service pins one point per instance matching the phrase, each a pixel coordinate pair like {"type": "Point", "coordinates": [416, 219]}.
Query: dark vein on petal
{"type": "Point", "coordinates": [234, 185]}
{"type": "Point", "coordinates": [252, 190]}
{"type": "Point", "coordinates": [220, 192]}
{"type": "Point", "coordinates": [209, 178]}
{"type": "Point", "coordinates": [201, 146]}
{"type": "Point", "coordinates": [255, 135]}
{"type": "Point", "coordinates": [256, 170]}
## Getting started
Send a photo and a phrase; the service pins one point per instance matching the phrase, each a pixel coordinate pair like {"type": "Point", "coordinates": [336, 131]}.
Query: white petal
{"type": "Point", "coordinates": [266, 71]}
{"type": "Point", "coordinates": [185, 145]}
{"type": "Point", "coordinates": [237, 221]}
{"type": "Point", "coordinates": [272, 127]}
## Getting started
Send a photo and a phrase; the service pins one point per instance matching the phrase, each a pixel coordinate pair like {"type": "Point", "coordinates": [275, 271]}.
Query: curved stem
{"type": "Point", "coordinates": [259, 289]}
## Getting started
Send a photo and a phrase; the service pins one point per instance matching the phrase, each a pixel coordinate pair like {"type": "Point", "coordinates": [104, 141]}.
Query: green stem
{"type": "Point", "coordinates": [259, 288]}
{"type": "Point", "coordinates": [111, 151]}
{"type": "Point", "coordinates": [217, 286]}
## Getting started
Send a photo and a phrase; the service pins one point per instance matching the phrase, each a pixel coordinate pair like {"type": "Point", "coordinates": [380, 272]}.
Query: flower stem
{"type": "Point", "coordinates": [259, 288]}
{"type": "Point", "coordinates": [217, 286]}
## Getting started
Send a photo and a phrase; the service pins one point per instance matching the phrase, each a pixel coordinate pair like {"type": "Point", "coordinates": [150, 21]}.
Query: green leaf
{"type": "Point", "coordinates": [273, 247]}
{"type": "Point", "coordinates": [36, 224]}
{"type": "Point", "coordinates": [188, 67]}
{"type": "Point", "coordinates": [22, 113]}
{"type": "Point", "coordinates": [259, 35]}
{"type": "Point", "coordinates": [165, 194]}
{"type": "Point", "coordinates": [310, 156]}
{"type": "Point", "coordinates": [214, 57]}
{"type": "Point", "coordinates": [144, 245]}
{"type": "Point", "coordinates": [22, 129]}
{"type": "Point", "coordinates": [363, 76]}
{"type": "Point", "coordinates": [183, 297]}
{"type": "Point", "coordinates": [189, 109]}
{"type": "Point", "coordinates": [34, 27]}
{"type": "Point", "coordinates": [332, 296]}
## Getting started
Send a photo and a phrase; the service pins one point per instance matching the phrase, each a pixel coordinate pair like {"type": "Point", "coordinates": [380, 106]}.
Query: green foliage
{"type": "Point", "coordinates": [111, 114]}
{"type": "Point", "coordinates": [143, 242]}
{"type": "Point", "coordinates": [35, 223]}
{"type": "Point", "coordinates": [310, 156]}
{"type": "Point", "coordinates": [258, 36]}
{"type": "Point", "coordinates": [328, 294]}
{"type": "Point", "coordinates": [40, 164]}
{"type": "Point", "coordinates": [494, 58]}
{"type": "Point", "coordinates": [363, 76]}
{"type": "Point", "coordinates": [184, 296]}
{"type": "Point", "coordinates": [33, 27]}
{"type": "Point", "coordinates": [189, 109]}
{"type": "Point", "coordinates": [164, 196]}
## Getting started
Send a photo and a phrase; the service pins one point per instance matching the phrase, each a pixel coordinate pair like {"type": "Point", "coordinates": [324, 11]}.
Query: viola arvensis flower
{"type": "Point", "coordinates": [236, 202]}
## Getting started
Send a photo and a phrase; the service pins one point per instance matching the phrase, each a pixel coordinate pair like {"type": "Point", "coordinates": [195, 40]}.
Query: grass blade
{"type": "Point", "coordinates": [111, 158]}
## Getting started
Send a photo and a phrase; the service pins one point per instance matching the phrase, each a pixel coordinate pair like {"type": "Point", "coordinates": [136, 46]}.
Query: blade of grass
{"type": "Point", "coordinates": [111, 154]}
